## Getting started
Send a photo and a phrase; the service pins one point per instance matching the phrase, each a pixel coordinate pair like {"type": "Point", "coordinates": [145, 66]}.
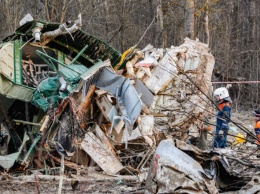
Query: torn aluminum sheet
{"type": "Point", "coordinates": [145, 94]}
{"type": "Point", "coordinates": [8, 161]}
{"type": "Point", "coordinates": [216, 165]}
{"type": "Point", "coordinates": [100, 154]}
{"type": "Point", "coordinates": [175, 171]}
{"type": "Point", "coordinates": [127, 98]}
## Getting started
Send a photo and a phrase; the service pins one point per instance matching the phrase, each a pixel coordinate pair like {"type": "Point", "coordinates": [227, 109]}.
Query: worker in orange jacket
{"type": "Point", "coordinates": [221, 95]}
{"type": "Point", "coordinates": [257, 125]}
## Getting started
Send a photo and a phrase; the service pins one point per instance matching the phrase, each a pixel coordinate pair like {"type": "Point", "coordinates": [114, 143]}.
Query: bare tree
{"type": "Point", "coordinates": [231, 27]}
{"type": "Point", "coordinates": [189, 22]}
{"type": "Point", "coordinates": [55, 10]}
{"type": "Point", "coordinates": [12, 11]}
{"type": "Point", "coordinates": [206, 22]}
{"type": "Point", "coordinates": [160, 18]}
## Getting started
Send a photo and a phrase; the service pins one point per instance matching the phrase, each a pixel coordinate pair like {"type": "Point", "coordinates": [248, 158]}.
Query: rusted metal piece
{"type": "Point", "coordinates": [144, 93]}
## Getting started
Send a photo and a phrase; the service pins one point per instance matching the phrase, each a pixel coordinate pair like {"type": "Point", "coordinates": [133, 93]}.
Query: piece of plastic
{"type": "Point", "coordinates": [239, 139]}
{"type": "Point", "coordinates": [47, 93]}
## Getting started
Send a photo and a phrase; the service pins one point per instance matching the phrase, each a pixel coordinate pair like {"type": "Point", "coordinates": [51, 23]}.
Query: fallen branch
{"type": "Point", "coordinates": [66, 163]}
{"type": "Point", "coordinates": [242, 162]}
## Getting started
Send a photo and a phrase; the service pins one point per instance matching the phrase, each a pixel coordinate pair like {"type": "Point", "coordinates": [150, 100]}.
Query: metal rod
{"type": "Point", "coordinates": [78, 55]}
{"type": "Point", "coordinates": [43, 55]}
{"type": "Point", "coordinates": [27, 122]}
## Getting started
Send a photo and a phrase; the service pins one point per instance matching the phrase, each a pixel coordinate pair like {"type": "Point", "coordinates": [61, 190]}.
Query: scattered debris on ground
{"type": "Point", "coordinates": [78, 114]}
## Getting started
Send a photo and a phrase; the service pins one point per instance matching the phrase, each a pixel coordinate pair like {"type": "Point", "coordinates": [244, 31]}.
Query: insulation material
{"type": "Point", "coordinates": [181, 81]}
{"type": "Point", "coordinates": [146, 124]}
{"type": "Point", "coordinates": [163, 73]}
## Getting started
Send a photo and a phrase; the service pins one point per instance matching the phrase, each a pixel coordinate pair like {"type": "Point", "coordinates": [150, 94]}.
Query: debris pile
{"type": "Point", "coordinates": [178, 167]}
{"type": "Point", "coordinates": [181, 83]}
{"type": "Point", "coordinates": [67, 108]}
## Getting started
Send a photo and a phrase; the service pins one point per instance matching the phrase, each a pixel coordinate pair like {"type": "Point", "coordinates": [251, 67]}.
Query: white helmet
{"type": "Point", "coordinates": [221, 92]}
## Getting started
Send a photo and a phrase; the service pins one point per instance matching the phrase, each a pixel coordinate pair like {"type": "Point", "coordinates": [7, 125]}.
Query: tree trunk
{"type": "Point", "coordinates": [160, 22]}
{"type": "Point", "coordinates": [63, 10]}
{"type": "Point", "coordinates": [206, 23]}
{"type": "Point", "coordinates": [189, 19]}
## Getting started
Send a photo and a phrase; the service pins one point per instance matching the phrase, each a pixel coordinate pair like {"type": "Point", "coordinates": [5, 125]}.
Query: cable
{"type": "Point", "coordinates": [130, 51]}
{"type": "Point", "coordinates": [236, 124]}
{"type": "Point", "coordinates": [145, 31]}
{"type": "Point", "coordinates": [183, 73]}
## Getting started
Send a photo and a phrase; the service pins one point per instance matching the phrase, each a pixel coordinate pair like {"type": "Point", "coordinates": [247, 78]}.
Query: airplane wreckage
{"type": "Point", "coordinates": [71, 102]}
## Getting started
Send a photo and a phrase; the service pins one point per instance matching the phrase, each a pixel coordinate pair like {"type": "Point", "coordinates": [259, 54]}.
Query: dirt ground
{"type": "Point", "coordinates": [244, 119]}
{"type": "Point", "coordinates": [86, 184]}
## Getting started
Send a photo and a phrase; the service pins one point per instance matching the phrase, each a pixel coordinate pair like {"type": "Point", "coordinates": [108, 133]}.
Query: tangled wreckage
{"type": "Point", "coordinates": [71, 103]}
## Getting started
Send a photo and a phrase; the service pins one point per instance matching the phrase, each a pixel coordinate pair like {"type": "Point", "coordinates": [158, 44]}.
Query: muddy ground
{"type": "Point", "coordinates": [87, 184]}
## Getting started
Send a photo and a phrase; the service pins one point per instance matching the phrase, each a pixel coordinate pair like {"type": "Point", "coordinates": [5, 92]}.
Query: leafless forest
{"type": "Point", "coordinates": [231, 27]}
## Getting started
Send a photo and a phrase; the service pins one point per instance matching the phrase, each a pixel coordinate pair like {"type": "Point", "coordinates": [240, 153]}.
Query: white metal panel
{"type": "Point", "coordinates": [7, 61]}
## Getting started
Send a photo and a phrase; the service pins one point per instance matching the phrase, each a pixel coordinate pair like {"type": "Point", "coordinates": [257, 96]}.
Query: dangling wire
{"type": "Point", "coordinates": [68, 32]}
{"type": "Point", "coordinates": [26, 43]}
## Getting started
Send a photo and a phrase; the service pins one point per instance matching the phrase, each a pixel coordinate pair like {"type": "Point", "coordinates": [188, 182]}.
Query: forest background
{"type": "Point", "coordinates": [229, 27]}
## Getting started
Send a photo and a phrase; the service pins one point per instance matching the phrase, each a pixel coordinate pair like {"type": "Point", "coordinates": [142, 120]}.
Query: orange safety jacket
{"type": "Point", "coordinates": [257, 131]}
{"type": "Point", "coordinates": [224, 114]}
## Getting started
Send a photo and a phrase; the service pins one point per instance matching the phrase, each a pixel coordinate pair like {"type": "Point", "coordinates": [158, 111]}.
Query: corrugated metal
{"type": "Point", "coordinates": [127, 98]}
{"type": "Point", "coordinates": [97, 49]}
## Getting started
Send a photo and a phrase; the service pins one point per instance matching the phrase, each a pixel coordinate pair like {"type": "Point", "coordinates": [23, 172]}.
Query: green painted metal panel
{"type": "Point", "coordinates": [17, 62]}
{"type": "Point", "coordinates": [61, 57]}
{"type": "Point", "coordinates": [14, 91]}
